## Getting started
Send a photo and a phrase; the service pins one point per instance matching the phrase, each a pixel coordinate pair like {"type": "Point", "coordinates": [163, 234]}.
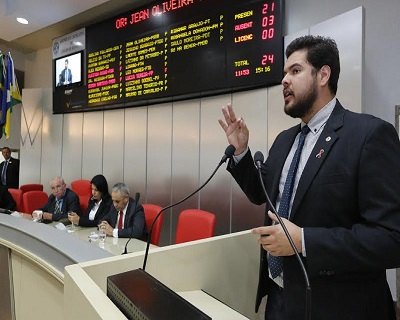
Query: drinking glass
{"type": "Point", "coordinates": [102, 234]}
{"type": "Point", "coordinates": [93, 236]}
{"type": "Point", "coordinates": [37, 215]}
{"type": "Point", "coordinates": [72, 226]}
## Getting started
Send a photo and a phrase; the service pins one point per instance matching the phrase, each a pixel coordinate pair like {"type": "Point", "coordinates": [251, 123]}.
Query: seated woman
{"type": "Point", "coordinates": [99, 204]}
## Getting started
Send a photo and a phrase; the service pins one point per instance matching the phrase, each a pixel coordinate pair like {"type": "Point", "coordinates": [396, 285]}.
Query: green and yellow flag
{"type": "Point", "coordinates": [10, 94]}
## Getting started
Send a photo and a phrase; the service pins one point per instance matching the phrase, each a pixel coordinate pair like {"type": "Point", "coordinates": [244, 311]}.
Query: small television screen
{"type": "Point", "coordinates": [68, 70]}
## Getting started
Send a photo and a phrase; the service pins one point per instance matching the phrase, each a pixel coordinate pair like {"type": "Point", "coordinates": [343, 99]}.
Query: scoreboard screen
{"type": "Point", "coordinates": [180, 49]}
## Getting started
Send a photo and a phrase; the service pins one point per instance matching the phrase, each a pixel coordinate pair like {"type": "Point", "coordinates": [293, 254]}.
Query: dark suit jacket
{"type": "Point", "coordinates": [66, 75]}
{"type": "Point", "coordinates": [134, 223]}
{"type": "Point", "coordinates": [101, 212]}
{"type": "Point", "coordinates": [12, 173]}
{"type": "Point", "coordinates": [348, 204]}
{"type": "Point", "coordinates": [6, 199]}
{"type": "Point", "coordinates": [70, 203]}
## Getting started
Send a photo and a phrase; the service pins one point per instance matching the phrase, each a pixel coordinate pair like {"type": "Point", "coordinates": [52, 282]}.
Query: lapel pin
{"type": "Point", "coordinates": [328, 139]}
{"type": "Point", "coordinates": [319, 154]}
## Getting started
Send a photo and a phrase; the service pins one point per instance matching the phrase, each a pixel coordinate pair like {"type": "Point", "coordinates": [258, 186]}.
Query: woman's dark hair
{"type": "Point", "coordinates": [321, 51]}
{"type": "Point", "coordinates": [101, 184]}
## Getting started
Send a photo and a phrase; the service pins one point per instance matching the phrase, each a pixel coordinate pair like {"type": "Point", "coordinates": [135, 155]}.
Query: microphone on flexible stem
{"type": "Point", "coordinates": [229, 151]}
{"type": "Point", "coordinates": [137, 196]}
{"type": "Point", "coordinates": [259, 160]}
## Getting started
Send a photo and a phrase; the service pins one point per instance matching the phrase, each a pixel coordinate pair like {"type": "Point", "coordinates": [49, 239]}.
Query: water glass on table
{"type": "Point", "coordinates": [102, 233]}
{"type": "Point", "coordinates": [71, 214]}
{"type": "Point", "coordinates": [37, 215]}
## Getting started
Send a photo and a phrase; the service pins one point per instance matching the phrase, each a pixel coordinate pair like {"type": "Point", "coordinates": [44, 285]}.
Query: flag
{"type": "Point", "coordinates": [10, 95]}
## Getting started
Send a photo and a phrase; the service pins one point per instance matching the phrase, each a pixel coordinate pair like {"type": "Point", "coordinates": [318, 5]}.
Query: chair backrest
{"type": "Point", "coordinates": [84, 202]}
{"type": "Point", "coordinates": [82, 187]}
{"type": "Point", "coordinates": [17, 196]}
{"type": "Point", "coordinates": [31, 187]}
{"type": "Point", "coordinates": [150, 212]}
{"type": "Point", "coordinates": [194, 224]}
{"type": "Point", "coordinates": [33, 200]}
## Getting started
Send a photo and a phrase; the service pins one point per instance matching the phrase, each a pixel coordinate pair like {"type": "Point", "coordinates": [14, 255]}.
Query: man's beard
{"type": "Point", "coordinates": [303, 105]}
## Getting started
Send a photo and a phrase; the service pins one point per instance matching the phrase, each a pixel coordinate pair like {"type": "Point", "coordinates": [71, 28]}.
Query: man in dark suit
{"type": "Point", "coordinates": [65, 76]}
{"type": "Point", "coordinates": [60, 202]}
{"type": "Point", "coordinates": [9, 170]}
{"type": "Point", "coordinates": [126, 217]}
{"type": "Point", "coordinates": [344, 207]}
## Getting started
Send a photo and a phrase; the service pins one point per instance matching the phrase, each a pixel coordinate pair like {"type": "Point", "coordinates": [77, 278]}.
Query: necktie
{"type": "Point", "coordinates": [120, 218]}
{"type": "Point", "coordinates": [276, 263]}
{"type": "Point", "coordinates": [4, 173]}
{"type": "Point", "coordinates": [57, 207]}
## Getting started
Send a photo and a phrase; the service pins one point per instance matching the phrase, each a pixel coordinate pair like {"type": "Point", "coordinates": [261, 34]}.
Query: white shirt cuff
{"type": "Point", "coordinates": [240, 156]}
{"type": "Point", "coordinates": [115, 233]}
{"type": "Point", "coordinates": [303, 244]}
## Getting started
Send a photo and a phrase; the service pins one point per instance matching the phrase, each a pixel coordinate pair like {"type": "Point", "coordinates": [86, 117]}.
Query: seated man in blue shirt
{"type": "Point", "coordinates": [61, 201]}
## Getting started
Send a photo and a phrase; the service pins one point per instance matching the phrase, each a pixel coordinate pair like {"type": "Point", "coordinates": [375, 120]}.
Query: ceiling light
{"type": "Point", "coordinates": [22, 20]}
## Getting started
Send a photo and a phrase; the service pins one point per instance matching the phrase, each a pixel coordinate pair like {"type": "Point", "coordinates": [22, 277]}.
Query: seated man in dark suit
{"type": "Point", "coordinates": [6, 200]}
{"type": "Point", "coordinates": [61, 201]}
{"type": "Point", "coordinates": [126, 217]}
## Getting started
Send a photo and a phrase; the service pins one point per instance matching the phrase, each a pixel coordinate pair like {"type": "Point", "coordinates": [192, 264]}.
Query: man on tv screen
{"type": "Point", "coordinates": [65, 76]}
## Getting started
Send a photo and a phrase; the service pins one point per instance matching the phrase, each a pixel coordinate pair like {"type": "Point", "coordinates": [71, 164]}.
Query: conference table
{"type": "Point", "coordinates": [33, 257]}
{"type": "Point", "coordinates": [115, 246]}
{"type": "Point", "coordinates": [89, 235]}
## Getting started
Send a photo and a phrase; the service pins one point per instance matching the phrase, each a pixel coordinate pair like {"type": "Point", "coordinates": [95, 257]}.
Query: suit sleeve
{"type": "Point", "coordinates": [110, 216]}
{"type": "Point", "coordinates": [246, 175]}
{"type": "Point", "coordinates": [136, 224]}
{"type": "Point", "coordinates": [72, 203]}
{"type": "Point", "coordinates": [101, 213]}
{"type": "Point", "coordinates": [48, 206]}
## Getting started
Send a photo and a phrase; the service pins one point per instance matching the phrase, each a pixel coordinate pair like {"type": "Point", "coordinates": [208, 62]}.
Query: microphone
{"type": "Point", "coordinates": [137, 196]}
{"type": "Point", "coordinates": [259, 160]}
{"type": "Point", "coordinates": [229, 151]}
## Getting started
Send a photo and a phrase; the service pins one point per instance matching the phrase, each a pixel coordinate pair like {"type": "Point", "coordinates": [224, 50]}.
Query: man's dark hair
{"type": "Point", "coordinates": [321, 51]}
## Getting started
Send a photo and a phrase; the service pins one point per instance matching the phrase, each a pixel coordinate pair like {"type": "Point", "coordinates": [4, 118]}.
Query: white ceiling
{"type": "Point", "coordinates": [49, 19]}
{"type": "Point", "coordinates": [39, 13]}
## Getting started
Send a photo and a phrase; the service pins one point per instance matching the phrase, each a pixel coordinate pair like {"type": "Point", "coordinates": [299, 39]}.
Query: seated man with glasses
{"type": "Point", "coordinates": [60, 202]}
